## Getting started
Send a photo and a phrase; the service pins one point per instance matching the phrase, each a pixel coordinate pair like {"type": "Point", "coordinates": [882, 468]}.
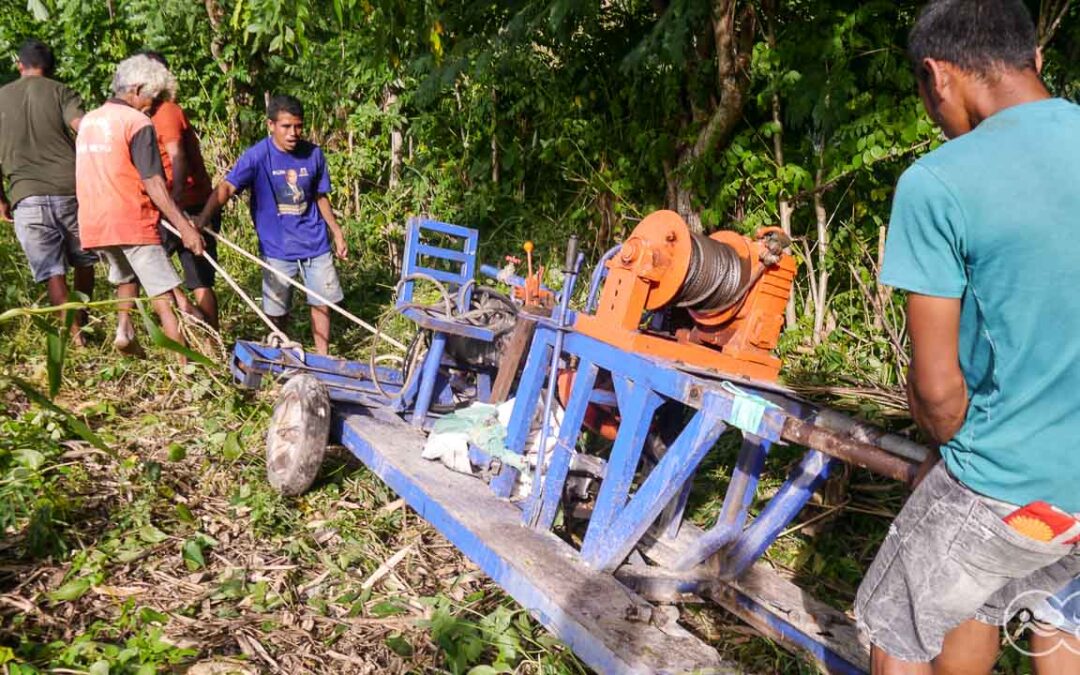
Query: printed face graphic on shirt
{"type": "Point", "coordinates": [289, 193]}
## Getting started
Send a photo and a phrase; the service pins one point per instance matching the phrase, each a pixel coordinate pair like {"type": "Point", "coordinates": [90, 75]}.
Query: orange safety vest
{"type": "Point", "coordinates": [114, 209]}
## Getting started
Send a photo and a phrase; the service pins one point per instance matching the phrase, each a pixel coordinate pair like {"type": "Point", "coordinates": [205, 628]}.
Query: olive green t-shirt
{"type": "Point", "coordinates": [37, 145]}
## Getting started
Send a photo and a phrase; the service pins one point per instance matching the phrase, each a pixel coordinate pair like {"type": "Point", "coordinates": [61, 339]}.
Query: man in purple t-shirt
{"type": "Point", "coordinates": [289, 182]}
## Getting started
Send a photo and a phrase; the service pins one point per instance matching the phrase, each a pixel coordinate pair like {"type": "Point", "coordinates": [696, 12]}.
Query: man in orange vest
{"type": "Point", "coordinates": [189, 185]}
{"type": "Point", "coordinates": [122, 195]}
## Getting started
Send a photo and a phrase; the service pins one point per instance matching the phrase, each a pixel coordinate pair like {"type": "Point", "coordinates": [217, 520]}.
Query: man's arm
{"type": "Point", "coordinates": [147, 160]}
{"type": "Point", "coordinates": [218, 198]}
{"type": "Point", "coordinates": [5, 207]}
{"type": "Point", "coordinates": [937, 392]}
{"type": "Point", "coordinates": [159, 194]}
{"type": "Point", "coordinates": [175, 150]}
{"type": "Point", "coordinates": [341, 249]}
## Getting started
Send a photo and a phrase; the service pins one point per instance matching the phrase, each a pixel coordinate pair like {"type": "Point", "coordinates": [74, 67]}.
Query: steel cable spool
{"type": "Point", "coordinates": [716, 276]}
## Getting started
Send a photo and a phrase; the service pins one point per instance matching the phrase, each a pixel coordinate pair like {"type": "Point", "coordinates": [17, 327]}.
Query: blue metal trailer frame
{"type": "Point", "coordinates": [593, 596]}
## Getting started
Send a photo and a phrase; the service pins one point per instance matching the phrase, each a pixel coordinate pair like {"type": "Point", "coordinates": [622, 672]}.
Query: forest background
{"type": "Point", "coordinates": [528, 119]}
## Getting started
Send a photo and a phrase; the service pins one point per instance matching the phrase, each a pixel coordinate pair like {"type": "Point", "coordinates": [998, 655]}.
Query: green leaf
{"type": "Point", "coordinates": [152, 535]}
{"type": "Point", "coordinates": [192, 553]}
{"type": "Point", "coordinates": [400, 646]}
{"type": "Point", "coordinates": [177, 452]}
{"type": "Point", "coordinates": [72, 590]}
{"type": "Point", "coordinates": [231, 448]}
{"type": "Point", "coordinates": [151, 615]}
{"type": "Point", "coordinates": [31, 459]}
{"type": "Point", "coordinates": [158, 337]}
{"type": "Point", "coordinates": [387, 608]}
{"type": "Point", "coordinates": [184, 514]}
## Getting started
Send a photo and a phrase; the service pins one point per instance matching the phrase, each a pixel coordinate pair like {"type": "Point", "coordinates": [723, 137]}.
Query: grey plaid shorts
{"type": "Point", "coordinates": [949, 557]}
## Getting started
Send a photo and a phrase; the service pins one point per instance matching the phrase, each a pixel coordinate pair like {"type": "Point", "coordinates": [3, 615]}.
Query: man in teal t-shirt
{"type": "Point", "coordinates": [982, 238]}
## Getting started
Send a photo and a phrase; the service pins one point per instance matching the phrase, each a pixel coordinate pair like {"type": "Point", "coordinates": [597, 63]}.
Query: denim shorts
{"type": "Point", "coordinates": [48, 230]}
{"type": "Point", "coordinates": [148, 264]}
{"type": "Point", "coordinates": [949, 557]}
{"type": "Point", "coordinates": [318, 274]}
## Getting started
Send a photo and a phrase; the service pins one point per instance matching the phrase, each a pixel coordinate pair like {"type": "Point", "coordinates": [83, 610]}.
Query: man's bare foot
{"type": "Point", "coordinates": [125, 341]}
{"type": "Point", "coordinates": [77, 338]}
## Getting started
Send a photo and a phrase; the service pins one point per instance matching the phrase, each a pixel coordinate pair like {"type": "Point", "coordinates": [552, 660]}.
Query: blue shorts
{"type": "Point", "coordinates": [48, 231]}
{"type": "Point", "coordinates": [318, 275]}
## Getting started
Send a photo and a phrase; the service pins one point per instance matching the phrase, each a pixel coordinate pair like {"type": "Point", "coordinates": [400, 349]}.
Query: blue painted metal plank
{"type": "Point", "coordinates": [672, 517]}
{"type": "Point", "coordinates": [773, 605]}
{"type": "Point", "coordinates": [452, 327]}
{"type": "Point", "coordinates": [441, 253]}
{"type": "Point", "coordinates": [586, 609]}
{"type": "Point", "coordinates": [663, 377]}
{"type": "Point", "coordinates": [444, 228]}
{"type": "Point", "coordinates": [251, 352]}
{"type": "Point", "coordinates": [773, 626]}
{"type": "Point", "coordinates": [544, 501]}
{"type": "Point", "coordinates": [428, 377]}
{"type": "Point", "coordinates": [609, 548]}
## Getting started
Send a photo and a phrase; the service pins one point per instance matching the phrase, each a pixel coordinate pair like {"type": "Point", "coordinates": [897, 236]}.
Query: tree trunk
{"type": "Point", "coordinates": [733, 39]}
{"type": "Point", "coordinates": [783, 205]}
{"type": "Point", "coordinates": [390, 99]}
{"type": "Point", "coordinates": [822, 218]}
{"type": "Point", "coordinates": [883, 291]}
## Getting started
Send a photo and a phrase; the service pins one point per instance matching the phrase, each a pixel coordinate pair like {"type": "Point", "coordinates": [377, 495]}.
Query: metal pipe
{"type": "Point", "coordinates": [598, 277]}
{"type": "Point", "coordinates": [573, 264]}
{"type": "Point", "coordinates": [850, 450]}
{"type": "Point", "coordinates": [870, 434]}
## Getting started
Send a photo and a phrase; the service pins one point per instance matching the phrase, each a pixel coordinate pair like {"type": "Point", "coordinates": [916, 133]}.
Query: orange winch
{"type": "Point", "coordinates": [734, 288]}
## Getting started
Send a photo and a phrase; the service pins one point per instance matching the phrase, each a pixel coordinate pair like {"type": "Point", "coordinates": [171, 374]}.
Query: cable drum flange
{"type": "Point", "coordinates": [716, 275]}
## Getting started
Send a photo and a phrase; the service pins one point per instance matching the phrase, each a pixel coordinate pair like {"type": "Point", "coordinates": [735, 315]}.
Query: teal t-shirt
{"type": "Point", "coordinates": [993, 217]}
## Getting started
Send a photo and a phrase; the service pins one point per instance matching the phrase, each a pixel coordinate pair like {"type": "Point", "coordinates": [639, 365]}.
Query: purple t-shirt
{"type": "Point", "coordinates": [284, 188]}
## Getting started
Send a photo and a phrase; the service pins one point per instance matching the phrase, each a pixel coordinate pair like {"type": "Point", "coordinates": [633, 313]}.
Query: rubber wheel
{"type": "Point", "coordinates": [296, 440]}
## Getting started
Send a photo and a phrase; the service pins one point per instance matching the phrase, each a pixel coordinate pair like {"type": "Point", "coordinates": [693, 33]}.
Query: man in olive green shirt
{"type": "Point", "coordinates": [37, 156]}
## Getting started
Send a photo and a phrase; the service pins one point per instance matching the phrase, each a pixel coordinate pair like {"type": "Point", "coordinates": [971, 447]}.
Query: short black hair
{"type": "Point", "coordinates": [284, 103]}
{"type": "Point", "coordinates": [979, 36]}
{"type": "Point", "coordinates": [36, 54]}
{"type": "Point", "coordinates": [154, 55]}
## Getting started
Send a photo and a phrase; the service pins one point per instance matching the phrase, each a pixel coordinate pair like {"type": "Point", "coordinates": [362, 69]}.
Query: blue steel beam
{"type": "Point", "coordinates": [544, 501]}
{"type": "Point", "coordinates": [605, 548]}
{"type": "Point", "coordinates": [637, 405]}
{"type": "Point", "coordinates": [737, 501]}
{"type": "Point", "coordinates": [777, 514]}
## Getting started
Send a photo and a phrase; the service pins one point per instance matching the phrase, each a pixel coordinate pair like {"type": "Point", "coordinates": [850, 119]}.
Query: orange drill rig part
{"type": "Point", "coordinates": [735, 288]}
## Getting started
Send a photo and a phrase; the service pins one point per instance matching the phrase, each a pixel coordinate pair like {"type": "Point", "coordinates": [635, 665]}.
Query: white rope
{"type": "Point", "coordinates": [285, 277]}
{"type": "Point", "coordinates": [239, 291]}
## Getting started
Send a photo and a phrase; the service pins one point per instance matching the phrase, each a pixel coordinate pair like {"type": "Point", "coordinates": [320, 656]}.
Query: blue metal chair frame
{"type": "Point", "coordinates": [422, 258]}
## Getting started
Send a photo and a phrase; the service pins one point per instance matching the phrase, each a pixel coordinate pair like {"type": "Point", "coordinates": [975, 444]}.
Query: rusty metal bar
{"type": "Point", "coordinates": [849, 450]}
